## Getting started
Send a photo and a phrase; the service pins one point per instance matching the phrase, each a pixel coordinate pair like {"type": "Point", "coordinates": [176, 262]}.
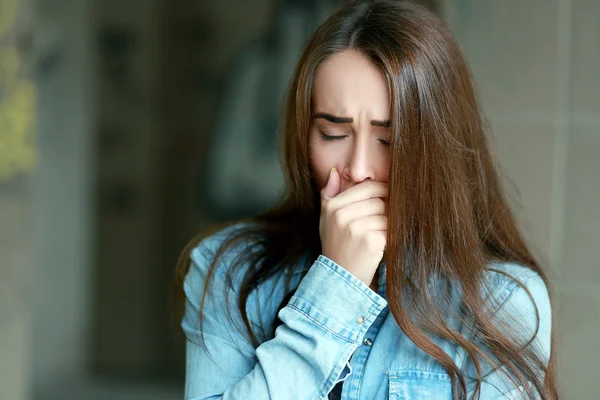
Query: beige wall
{"type": "Point", "coordinates": [62, 196]}
{"type": "Point", "coordinates": [15, 303]}
{"type": "Point", "coordinates": [536, 64]}
{"type": "Point", "coordinates": [16, 234]}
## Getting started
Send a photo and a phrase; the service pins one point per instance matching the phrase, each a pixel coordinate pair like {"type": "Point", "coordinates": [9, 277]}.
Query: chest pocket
{"type": "Point", "coordinates": [417, 385]}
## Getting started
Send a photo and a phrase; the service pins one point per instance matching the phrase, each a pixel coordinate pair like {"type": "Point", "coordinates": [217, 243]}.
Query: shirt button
{"type": "Point", "coordinates": [368, 342]}
{"type": "Point", "coordinates": [360, 320]}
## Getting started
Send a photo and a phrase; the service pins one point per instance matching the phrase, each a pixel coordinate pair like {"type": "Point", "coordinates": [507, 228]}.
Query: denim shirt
{"type": "Point", "coordinates": [335, 330]}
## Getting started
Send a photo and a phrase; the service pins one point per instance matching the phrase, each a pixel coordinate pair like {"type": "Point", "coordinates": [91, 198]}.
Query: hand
{"type": "Point", "coordinates": [353, 225]}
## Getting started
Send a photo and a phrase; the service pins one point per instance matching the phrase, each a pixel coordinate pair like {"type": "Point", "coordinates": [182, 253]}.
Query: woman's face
{"type": "Point", "coordinates": [350, 122]}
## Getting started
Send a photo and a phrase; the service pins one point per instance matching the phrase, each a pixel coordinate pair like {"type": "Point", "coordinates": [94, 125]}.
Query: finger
{"type": "Point", "coordinates": [362, 191]}
{"type": "Point", "coordinates": [367, 224]}
{"type": "Point", "coordinates": [360, 209]}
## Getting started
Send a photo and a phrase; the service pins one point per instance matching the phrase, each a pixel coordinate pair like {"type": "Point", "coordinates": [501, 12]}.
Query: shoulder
{"type": "Point", "coordinates": [215, 273]}
{"type": "Point", "coordinates": [210, 244]}
{"type": "Point", "coordinates": [509, 282]}
{"type": "Point", "coordinates": [204, 253]}
{"type": "Point", "coordinates": [520, 299]}
{"type": "Point", "coordinates": [225, 283]}
{"type": "Point", "coordinates": [210, 293]}
{"type": "Point", "coordinates": [228, 266]}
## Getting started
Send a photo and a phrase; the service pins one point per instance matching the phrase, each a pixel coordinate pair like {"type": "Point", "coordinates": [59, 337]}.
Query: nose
{"type": "Point", "coordinates": [360, 165]}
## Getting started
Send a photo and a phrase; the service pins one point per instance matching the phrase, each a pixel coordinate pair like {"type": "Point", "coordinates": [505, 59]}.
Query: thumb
{"type": "Point", "coordinates": [332, 188]}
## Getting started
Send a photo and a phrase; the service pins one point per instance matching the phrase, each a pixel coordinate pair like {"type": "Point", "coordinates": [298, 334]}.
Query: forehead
{"type": "Point", "coordinates": [348, 84]}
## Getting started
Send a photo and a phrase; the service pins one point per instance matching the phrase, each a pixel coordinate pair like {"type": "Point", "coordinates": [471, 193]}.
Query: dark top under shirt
{"type": "Point", "coordinates": [336, 392]}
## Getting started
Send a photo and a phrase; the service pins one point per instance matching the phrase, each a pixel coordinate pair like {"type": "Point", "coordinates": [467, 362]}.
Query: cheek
{"type": "Point", "coordinates": [321, 161]}
{"type": "Point", "coordinates": [384, 167]}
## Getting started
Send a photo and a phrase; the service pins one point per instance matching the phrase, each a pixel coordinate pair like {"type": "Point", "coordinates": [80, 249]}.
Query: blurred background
{"type": "Point", "coordinates": [128, 126]}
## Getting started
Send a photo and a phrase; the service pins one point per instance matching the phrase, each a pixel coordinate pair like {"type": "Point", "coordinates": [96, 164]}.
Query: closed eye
{"type": "Point", "coordinates": [332, 137]}
{"type": "Point", "coordinates": [340, 137]}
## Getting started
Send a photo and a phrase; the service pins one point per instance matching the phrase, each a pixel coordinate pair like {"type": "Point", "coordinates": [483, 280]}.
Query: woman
{"type": "Point", "coordinates": [392, 267]}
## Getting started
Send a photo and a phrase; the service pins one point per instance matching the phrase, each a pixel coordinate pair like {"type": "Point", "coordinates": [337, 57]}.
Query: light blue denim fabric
{"type": "Point", "coordinates": [335, 328]}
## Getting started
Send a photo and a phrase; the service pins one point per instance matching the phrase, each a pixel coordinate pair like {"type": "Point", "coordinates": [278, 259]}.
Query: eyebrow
{"type": "Point", "coordinates": [347, 120]}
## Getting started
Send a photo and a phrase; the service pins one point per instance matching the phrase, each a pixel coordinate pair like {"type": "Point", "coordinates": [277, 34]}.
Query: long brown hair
{"type": "Point", "coordinates": [448, 216]}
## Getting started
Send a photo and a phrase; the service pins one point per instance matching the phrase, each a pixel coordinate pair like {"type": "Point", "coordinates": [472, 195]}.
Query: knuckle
{"type": "Point", "coordinates": [329, 209]}
{"type": "Point", "coordinates": [339, 217]}
{"type": "Point", "coordinates": [354, 228]}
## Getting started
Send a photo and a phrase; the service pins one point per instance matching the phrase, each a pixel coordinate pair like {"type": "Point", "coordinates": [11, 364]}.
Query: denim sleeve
{"type": "Point", "coordinates": [519, 313]}
{"type": "Point", "coordinates": [323, 323]}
